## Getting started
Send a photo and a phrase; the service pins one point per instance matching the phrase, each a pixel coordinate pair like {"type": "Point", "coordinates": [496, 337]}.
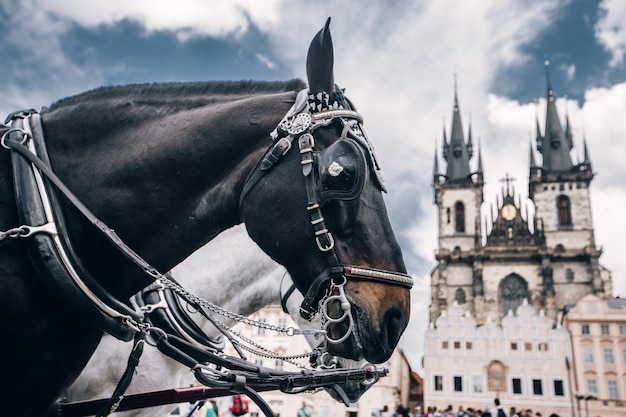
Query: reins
{"type": "Point", "coordinates": [45, 229]}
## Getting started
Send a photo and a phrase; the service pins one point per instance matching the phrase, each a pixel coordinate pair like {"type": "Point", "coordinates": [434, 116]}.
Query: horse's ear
{"type": "Point", "coordinates": [319, 62]}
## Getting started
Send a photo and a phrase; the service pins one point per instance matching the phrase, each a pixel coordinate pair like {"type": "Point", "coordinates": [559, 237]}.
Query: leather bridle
{"type": "Point", "coordinates": [299, 125]}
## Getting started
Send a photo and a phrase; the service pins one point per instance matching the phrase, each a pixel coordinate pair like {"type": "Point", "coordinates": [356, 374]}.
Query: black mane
{"type": "Point", "coordinates": [174, 90]}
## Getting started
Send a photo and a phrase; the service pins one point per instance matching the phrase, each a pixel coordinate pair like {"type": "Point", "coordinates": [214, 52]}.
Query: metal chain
{"type": "Point", "coordinates": [14, 233]}
{"type": "Point", "coordinates": [256, 348]}
{"type": "Point", "coordinates": [289, 331]}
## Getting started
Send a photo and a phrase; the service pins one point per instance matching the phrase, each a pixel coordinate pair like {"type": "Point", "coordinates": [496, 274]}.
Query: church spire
{"type": "Point", "coordinates": [436, 167]}
{"type": "Point", "coordinates": [458, 153]}
{"type": "Point", "coordinates": [555, 144]}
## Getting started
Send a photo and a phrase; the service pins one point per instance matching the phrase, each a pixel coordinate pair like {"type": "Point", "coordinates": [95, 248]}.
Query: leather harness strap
{"type": "Point", "coordinates": [300, 123]}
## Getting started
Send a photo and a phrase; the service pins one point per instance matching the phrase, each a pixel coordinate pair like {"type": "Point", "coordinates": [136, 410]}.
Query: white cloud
{"type": "Point", "coordinates": [187, 18]}
{"type": "Point", "coordinates": [611, 29]}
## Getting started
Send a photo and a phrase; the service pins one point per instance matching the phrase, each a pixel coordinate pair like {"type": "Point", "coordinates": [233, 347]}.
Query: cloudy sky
{"type": "Point", "coordinates": [397, 61]}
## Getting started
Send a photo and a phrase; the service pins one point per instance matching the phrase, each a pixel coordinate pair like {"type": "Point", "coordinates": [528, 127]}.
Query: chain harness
{"type": "Point", "coordinates": [117, 319]}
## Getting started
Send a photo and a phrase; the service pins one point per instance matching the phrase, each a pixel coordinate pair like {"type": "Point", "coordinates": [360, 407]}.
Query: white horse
{"type": "Point", "coordinates": [230, 271]}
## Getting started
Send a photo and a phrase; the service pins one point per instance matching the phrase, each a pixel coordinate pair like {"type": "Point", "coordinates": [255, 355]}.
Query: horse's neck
{"type": "Point", "coordinates": [172, 183]}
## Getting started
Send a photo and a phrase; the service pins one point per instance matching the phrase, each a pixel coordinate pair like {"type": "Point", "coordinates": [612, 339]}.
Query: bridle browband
{"type": "Point", "coordinates": [299, 124]}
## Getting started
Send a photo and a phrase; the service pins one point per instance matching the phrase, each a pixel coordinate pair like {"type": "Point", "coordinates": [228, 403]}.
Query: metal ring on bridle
{"type": "Point", "coordinates": [25, 137]}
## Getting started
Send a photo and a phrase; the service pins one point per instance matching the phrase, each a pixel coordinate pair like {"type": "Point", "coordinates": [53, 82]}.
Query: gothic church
{"type": "Point", "coordinates": [550, 260]}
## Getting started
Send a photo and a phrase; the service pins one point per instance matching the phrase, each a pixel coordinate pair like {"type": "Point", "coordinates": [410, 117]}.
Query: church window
{"type": "Point", "coordinates": [513, 291]}
{"type": "Point", "coordinates": [460, 296]}
{"type": "Point", "coordinates": [564, 208]}
{"type": "Point", "coordinates": [459, 217]}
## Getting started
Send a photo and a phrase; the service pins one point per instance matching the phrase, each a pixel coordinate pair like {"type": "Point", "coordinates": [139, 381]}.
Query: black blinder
{"type": "Point", "coordinates": [342, 171]}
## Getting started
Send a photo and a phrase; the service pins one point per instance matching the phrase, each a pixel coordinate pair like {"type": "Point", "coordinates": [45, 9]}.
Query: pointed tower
{"type": "Point", "coordinates": [559, 190]}
{"type": "Point", "coordinates": [458, 196]}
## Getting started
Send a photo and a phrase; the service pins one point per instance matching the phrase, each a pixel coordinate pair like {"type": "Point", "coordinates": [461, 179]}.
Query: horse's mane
{"type": "Point", "coordinates": [174, 90]}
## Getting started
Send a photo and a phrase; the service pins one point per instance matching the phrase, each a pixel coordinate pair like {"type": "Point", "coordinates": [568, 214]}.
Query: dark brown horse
{"type": "Point", "coordinates": [170, 166]}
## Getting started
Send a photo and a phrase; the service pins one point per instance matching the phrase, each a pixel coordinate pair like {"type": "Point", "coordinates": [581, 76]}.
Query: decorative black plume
{"type": "Point", "coordinates": [319, 62]}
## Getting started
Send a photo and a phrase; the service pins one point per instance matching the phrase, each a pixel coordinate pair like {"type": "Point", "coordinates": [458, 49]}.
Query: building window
{"type": "Point", "coordinates": [559, 388]}
{"type": "Point", "coordinates": [458, 383]}
{"type": "Point", "coordinates": [444, 344]}
{"type": "Point", "coordinates": [469, 345]}
{"type": "Point", "coordinates": [569, 275]}
{"type": "Point", "coordinates": [460, 296]}
{"type": "Point", "coordinates": [513, 345]}
{"type": "Point", "coordinates": [604, 329]}
{"type": "Point", "coordinates": [261, 330]}
{"type": "Point", "coordinates": [588, 354]}
{"type": "Point", "coordinates": [528, 346]}
{"type": "Point", "coordinates": [624, 356]}
{"type": "Point", "coordinates": [478, 384]}
{"type": "Point", "coordinates": [592, 387]}
{"type": "Point", "coordinates": [613, 392]}
{"type": "Point", "coordinates": [608, 356]}
{"type": "Point", "coordinates": [565, 215]}
{"type": "Point", "coordinates": [538, 387]}
{"type": "Point", "coordinates": [448, 215]}
{"type": "Point", "coordinates": [282, 322]}
{"type": "Point", "coordinates": [258, 362]}
{"type": "Point", "coordinates": [584, 329]}
{"type": "Point", "coordinates": [438, 383]}
{"type": "Point", "coordinates": [457, 345]}
{"type": "Point", "coordinates": [622, 329]}
{"type": "Point", "coordinates": [459, 217]}
{"type": "Point", "coordinates": [278, 363]}
{"type": "Point", "coordinates": [542, 347]}
{"type": "Point", "coordinates": [516, 384]}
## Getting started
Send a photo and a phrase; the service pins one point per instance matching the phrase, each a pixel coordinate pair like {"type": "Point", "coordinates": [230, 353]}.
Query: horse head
{"type": "Point", "coordinates": [333, 235]}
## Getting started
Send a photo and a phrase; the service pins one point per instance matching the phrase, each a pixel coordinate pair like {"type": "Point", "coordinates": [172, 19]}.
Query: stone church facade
{"type": "Point", "coordinates": [504, 280]}
{"type": "Point", "coordinates": [551, 259]}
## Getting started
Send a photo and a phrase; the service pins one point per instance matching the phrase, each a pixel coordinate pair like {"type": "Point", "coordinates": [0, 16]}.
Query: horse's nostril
{"type": "Point", "coordinates": [394, 323]}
